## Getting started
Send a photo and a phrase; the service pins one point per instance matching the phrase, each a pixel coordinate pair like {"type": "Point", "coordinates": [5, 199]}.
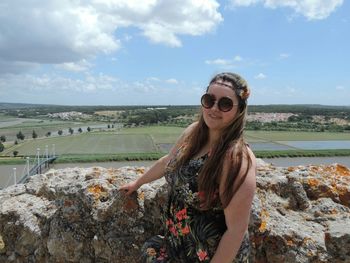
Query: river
{"type": "Point", "coordinates": [7, 171]}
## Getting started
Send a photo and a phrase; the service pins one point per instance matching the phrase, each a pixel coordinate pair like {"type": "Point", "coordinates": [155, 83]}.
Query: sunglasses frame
{"type": "Point", "coordinates": [214, 101]}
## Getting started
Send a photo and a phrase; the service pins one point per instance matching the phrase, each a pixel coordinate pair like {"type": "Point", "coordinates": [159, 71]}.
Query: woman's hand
{"type": "Point", "coordinates": [129, 188]}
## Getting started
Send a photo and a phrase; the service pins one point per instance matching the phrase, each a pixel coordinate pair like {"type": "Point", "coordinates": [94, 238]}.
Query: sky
{"type": "Point", "coordinates": [164, 52]}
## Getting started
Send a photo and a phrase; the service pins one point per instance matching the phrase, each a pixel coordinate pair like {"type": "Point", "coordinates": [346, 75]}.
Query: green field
{"type": "Point", "coordinates": [159, 134]}
{"type": "Point", "coordinates": [88, 143]}
{"type": "Point", "coordinates": [9, 127]}
{"type": "Point", "coordinates": [166, 134]}
{"type": "Point", "coordinates": [261, 136]}
{"type": "Point", "coordinates": [148, 143]}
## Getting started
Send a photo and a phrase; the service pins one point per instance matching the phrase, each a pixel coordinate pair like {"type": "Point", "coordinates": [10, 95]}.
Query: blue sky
{"type": "Point", "coordinates": [153, 52]}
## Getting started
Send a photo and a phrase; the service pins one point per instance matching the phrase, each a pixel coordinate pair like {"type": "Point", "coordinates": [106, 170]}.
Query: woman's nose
{"type": "Point", "coordinates": [215, 106]}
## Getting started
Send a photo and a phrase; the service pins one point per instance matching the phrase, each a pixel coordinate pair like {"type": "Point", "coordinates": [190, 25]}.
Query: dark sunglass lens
{"type": "Point", "coordinates": [207, 101]}
{"type": "Point", "coordinates": [225, 104]}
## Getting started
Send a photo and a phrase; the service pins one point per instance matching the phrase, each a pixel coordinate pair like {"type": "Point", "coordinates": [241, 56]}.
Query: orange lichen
{"type": "Point", "coordinates": [307, 240]}
{"type": "Point", "coordinates": [290, 243]}
{"type": "Point", "coordinates": [262, 227]}
{"type": "Point", "coordinates": [344, 194]}
{"type": "Point", "coordinates": [313, 182]}
{"type": "Point", "coordinates": [341, 190]}
{"type": "Point", "coordinates": [337, 170]}
{"type": "Point", "coordinates": [140, 170]}
{"type": "Point", "coordinates": [291, 169]}
{"type": "Point", "coordinates": [141, 196]}
{"type": "Point", "coordinates": [96, 190]}
{"type": "Point", "coordinates": [334, 211]}
{"type": "Point", "coordinates": [264, 215]}
{"type": "Point", "coordinates": [342, 170]}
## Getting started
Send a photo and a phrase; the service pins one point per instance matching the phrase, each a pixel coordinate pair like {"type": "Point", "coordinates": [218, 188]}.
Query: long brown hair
{"type": "Point", "coordinates": [231, 142]}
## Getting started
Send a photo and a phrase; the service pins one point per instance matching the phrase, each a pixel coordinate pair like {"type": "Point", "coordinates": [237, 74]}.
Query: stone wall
{"type": "Point", "coordinates": [300, 214]}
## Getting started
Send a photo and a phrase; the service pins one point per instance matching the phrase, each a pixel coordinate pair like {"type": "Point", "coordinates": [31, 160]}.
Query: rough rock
{"type": "Point", "coordinates": [300, 214]}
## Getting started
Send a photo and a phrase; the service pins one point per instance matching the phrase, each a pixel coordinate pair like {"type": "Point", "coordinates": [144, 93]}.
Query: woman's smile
{"type": "Point", "coordinates": [213, 116]}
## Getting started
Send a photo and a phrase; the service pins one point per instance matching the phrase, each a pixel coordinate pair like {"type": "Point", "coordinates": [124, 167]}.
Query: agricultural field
{"type": "Point", "coordinates": [89, 143]}
{"type": "Point", "coordinates": [152, 139]}
{"type": "Point", "coordinates": [9, 127]}
{"type": "Point", "coordinates": [159, 134]}
{"type": "Point", "coordinates": [267, 136]}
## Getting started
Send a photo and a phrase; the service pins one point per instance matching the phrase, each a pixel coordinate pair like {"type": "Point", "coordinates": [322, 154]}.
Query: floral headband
{"type": "Point", "coordinates": [240, 87]}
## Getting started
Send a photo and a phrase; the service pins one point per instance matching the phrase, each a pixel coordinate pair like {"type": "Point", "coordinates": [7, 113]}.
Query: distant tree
{"type": "Point", "coordinates": [2, 138]}
{"type": "Point", "coordinates": [80, 130]}
{"type": "Point", "coordinates": [16, 142]}
{"type": "Point", "coordinates": [2, 147]}
{"type": "Point", "coordinates": [71, 131]}
{"type": "Point", "coordinates": [48, 134]}
{"type": "Point", "coordinates": [34, 135]}
{"type": "Point", "coordinates": [20, 135]}
{"type": "Point", "coordinates": [15, 153]}
{"type": "Point", "coordinates": [108, 126]}
{"type": "Point", "coordinates": [60, 132]}
{"type": "Point", "coordinates": [88, 129]}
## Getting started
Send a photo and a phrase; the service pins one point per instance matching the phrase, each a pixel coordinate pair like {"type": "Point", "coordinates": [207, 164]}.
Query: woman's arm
{"type": "Point", "coordinates": [237, 214]}
{"type": "Point", "coordinates": [157, 170]}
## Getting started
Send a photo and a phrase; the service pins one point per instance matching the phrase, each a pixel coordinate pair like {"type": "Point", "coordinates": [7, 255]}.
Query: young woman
{"type": "Point", "coordinates": [211, 179]}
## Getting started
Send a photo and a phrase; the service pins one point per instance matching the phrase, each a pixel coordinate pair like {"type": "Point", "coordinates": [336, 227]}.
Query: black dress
{"type": "Point", "coordinates": [191, 234]}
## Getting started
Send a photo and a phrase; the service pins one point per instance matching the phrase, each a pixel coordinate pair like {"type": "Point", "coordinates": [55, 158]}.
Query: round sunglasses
{"type": "Point", "coordinates": [224, 104]}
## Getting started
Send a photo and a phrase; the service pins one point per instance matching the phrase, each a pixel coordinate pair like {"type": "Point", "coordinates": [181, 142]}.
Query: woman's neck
{"type": "Point", "coordinates": [214, 137]}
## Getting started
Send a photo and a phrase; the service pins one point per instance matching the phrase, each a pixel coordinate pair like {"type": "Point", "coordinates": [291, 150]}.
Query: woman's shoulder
{"type": "Point", "coordinates": [187, 132]}
{"type": "Point", "coordinates": [190, 127]}
{"type": "Point", "coordinates": [248, 157]}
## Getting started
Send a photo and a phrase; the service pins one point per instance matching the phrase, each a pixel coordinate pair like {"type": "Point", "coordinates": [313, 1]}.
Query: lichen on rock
{"type": "Point", "coordinates": [299, 214]}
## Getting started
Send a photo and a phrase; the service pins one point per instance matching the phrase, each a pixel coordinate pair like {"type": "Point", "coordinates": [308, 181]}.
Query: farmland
{"type": "Point", "coordinates": [153, 141]}
{"type": "Point", "coordinates": [103, 133]}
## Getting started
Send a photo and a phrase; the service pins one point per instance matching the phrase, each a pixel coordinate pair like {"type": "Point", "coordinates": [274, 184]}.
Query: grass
{"type": "Point", "coordinates": [144, 143]}
{"type": "Point", "coordinates": [260, 136]}
{"type": "Point", "coordinates": [302, 153]}
{"type": "Point", "coordinates": [87, 158]}
{"type": "Point", "coordinates": [41, 127]}
{"type": "Point", "coordinates": [88, 143]}
{"type": "Point", "coordinates": [109, 157]}
{"type": "Point", "coordinates": [159, 134]}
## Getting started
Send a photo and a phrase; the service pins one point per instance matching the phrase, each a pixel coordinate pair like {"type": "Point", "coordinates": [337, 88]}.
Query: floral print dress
{"type": "Point", "coordinates": [191, 234]}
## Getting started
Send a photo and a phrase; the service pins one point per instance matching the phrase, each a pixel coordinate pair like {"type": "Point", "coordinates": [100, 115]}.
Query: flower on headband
{"type": "Point", "coordinates": [243, 93]}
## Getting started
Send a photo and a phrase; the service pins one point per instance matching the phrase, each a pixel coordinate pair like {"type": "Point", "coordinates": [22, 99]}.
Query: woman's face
{"type": "Point", "coordinates": [215, 119]}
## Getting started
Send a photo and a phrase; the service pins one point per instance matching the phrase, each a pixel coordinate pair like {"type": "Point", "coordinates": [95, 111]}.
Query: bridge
{"type": "Point", "coordinates": [37, 169]}
{"type": "Point", "coordinates": [37, 165]}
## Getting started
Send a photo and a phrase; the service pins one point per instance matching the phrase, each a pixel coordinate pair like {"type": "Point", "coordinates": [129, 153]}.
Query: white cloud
{"type": "Point", "coordinates": [26, 84]}
{"type": "Point", "coordinates": [284, 55]}
{"type": "Point", "coordinates": [98, 89]}
{"type": "Point", "coordinates": [244, 2]}
{"type": "Point", "coordinates": [172, 81]}
{"type": "Point", "coordinates": [340, 88]}
{"type": "Point", "coordinates": [80, 66]}
{"type": "Point", "coordinates": [237, 58]}
{"type": "Point", "coordinates": [66, 31]}
{"type": "Point", "coordinates": [218, 61]}
{"type": "Point", "coordinates": [153, 79]}
{"type": "Point", "coordinates": [311, 9]}
{"type": "Point", "coordinates": [260, 76]}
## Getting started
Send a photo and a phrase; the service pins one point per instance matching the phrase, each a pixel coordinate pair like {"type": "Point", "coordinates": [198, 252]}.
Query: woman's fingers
{"type": "Point", "coordinates": [128, 188]}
